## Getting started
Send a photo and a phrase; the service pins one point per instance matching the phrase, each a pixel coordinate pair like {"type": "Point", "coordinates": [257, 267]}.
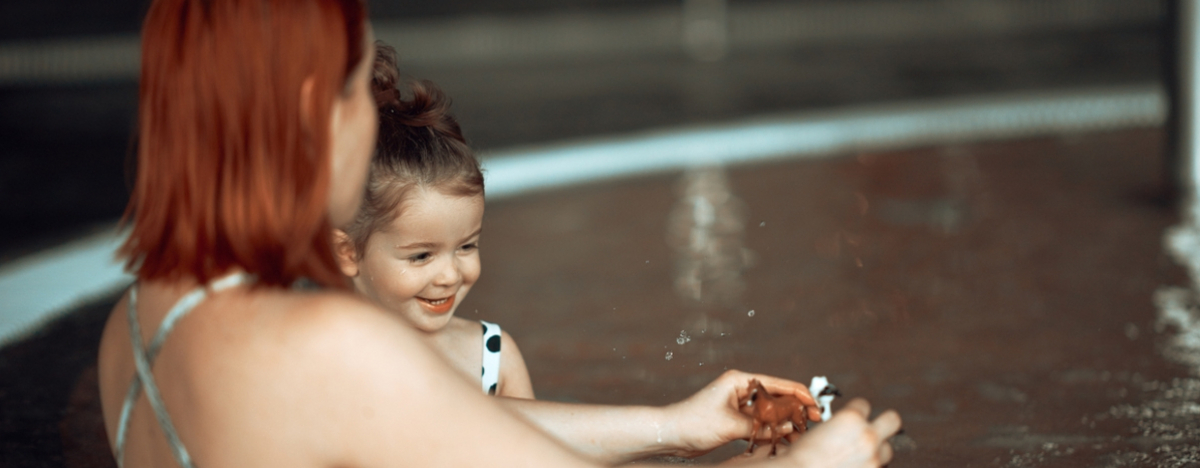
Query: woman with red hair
{"type": "Point", "coordinates": [256, 129]}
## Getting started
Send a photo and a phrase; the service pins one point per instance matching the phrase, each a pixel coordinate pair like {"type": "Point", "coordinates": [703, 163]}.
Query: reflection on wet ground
{"type": "Point", "coordinates": [999, 295]}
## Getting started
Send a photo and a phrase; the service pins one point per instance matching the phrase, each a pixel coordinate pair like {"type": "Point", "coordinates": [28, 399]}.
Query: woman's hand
{"type": "Point", "coordinates": [847, 440]}
{"type": "Point", "coordinates": [710, 418]}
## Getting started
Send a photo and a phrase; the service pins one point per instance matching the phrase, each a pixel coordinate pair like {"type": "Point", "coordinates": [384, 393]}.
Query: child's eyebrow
{"type": "Point", "coordinates": [473, 234]}
{"type": "Point", "coordinates": [419, 245]}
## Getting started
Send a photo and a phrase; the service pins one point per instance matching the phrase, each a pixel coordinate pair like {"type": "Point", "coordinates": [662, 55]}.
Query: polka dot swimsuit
{"type": "Point", "coordinates": [491, 357]}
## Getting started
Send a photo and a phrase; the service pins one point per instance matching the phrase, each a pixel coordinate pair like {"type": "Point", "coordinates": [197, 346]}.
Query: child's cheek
{"type": "Point", "coordinates": [472, 271]}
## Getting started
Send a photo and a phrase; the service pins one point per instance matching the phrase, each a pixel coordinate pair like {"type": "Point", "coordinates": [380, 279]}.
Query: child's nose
{"type": "Point", "coordinates": [449, 275]}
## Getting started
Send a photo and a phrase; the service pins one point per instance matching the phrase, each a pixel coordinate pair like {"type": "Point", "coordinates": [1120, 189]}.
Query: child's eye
{"type": "Point", "coordinates": [421, 257]}
{"type": "Point", "coordinates": [470, 247]}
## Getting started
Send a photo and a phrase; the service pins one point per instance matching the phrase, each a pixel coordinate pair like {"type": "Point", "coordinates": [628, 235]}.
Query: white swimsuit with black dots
{"type": "Point", "coordinates": [491, 357]}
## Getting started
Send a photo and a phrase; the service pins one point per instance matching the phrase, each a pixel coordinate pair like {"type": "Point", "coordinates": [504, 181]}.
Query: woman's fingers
{"type": "Point", "coordinates": [768, 432]}
{"type": "Point", "coordinates": [886, 424]}
{"type": "Point", "coordinates": [778, 386]}
{"type": "Point", "coordinates": [814, 413]}
{"type": "Point", "coordinates": [885, 453]}
{"type": "Point", "coordinates": [860, 406]}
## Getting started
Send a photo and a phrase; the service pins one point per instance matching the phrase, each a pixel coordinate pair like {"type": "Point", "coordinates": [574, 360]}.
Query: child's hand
{"type": "Point", "coordinates": [710, 418]}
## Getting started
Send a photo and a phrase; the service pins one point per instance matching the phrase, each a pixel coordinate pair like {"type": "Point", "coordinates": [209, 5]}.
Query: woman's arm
{"type": "Point", "coordinates": [692, 427]}
{"type": "Point", "coordinates": [357, 387]}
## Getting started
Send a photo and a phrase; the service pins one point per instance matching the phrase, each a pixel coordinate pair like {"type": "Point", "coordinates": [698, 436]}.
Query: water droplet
{"type": "Point", "coordinates": [670, 355]}
{"type": "Point", "coordinates": [762, 224]}
{"type": "Point", "coordinates": [683, 337]}
{"type": "Point", "coordinates": [751, 313]}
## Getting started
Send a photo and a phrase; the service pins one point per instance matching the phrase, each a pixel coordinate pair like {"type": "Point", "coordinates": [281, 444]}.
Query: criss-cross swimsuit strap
{"type": "Point", "coordinates": [143, 358]}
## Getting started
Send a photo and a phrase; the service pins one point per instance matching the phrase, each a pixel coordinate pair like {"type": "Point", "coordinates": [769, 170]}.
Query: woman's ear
{"type": "Point", "coordinates": [347, 255]}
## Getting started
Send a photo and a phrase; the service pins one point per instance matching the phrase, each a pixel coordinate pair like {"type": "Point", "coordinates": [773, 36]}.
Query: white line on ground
{"type": "Point", "coordinates": [820, 134]}
{"type": "Point", "coordinates": [41, 287]}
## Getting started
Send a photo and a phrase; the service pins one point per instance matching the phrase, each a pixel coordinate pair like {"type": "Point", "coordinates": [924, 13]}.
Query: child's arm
{"type": "Point", "coordinates": [514, 376]}
{"type": "Point", "coordinates": [692, 427]}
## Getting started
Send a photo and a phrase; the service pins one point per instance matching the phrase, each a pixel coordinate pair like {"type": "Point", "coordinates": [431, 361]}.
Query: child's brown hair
{"type": "Point", "coordinates": [420, 145]}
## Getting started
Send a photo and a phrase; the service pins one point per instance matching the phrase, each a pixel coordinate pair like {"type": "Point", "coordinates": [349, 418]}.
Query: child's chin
{"type": "Point", "coordinates": [431, 323]}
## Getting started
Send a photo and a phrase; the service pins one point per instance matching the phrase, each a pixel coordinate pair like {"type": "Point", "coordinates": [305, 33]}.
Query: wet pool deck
{"type": "Point", "coordinates": [998, 295]}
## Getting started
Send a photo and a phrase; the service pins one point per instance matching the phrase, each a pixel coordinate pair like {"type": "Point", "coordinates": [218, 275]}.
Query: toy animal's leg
{"type": "Point", "coordinates": [753, 437]}
{"type": "Point", "coordinates": [799, 424]}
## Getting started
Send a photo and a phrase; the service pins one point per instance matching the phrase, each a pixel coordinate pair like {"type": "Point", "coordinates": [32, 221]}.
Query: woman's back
{"type": "Point", "coordinates": [228, 359]}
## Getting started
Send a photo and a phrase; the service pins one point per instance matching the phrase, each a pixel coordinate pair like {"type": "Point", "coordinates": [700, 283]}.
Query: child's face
{"type": "Point", "coordinates": [423, 263]}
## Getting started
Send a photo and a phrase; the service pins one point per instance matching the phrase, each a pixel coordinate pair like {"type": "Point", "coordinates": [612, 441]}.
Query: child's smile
{"type": "Point", "coordinates": [437, 306]}
{"type": "Point", "coordinates": [423, 263]}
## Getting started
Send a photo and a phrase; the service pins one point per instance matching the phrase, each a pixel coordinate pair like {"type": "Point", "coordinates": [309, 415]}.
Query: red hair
{"type": "Point", "coordinates": [229, 173]}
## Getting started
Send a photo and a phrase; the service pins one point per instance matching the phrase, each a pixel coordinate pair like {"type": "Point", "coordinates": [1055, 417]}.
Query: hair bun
{"type": "Point", "coordinates": [426, 106]}
{"type": "Point", "coordinates": [384, 76]}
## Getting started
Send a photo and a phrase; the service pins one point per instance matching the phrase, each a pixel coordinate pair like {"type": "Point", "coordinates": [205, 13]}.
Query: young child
{"type": "Point", "coordinates": [414, 245]}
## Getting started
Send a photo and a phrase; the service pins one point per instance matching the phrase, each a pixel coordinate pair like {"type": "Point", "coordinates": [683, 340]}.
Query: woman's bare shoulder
{"type": "Point", "coordinates": [330, 324]}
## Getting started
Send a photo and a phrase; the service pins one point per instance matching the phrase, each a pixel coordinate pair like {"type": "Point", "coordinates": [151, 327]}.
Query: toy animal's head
{"type": "Point", "coordinates": [746, 403]}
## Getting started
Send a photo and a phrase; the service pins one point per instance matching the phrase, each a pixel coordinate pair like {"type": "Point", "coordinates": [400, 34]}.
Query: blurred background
{"type": "Point", "coordinates": [534, 71]}
{"type": "Point", "coordinates": [989, 271]}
